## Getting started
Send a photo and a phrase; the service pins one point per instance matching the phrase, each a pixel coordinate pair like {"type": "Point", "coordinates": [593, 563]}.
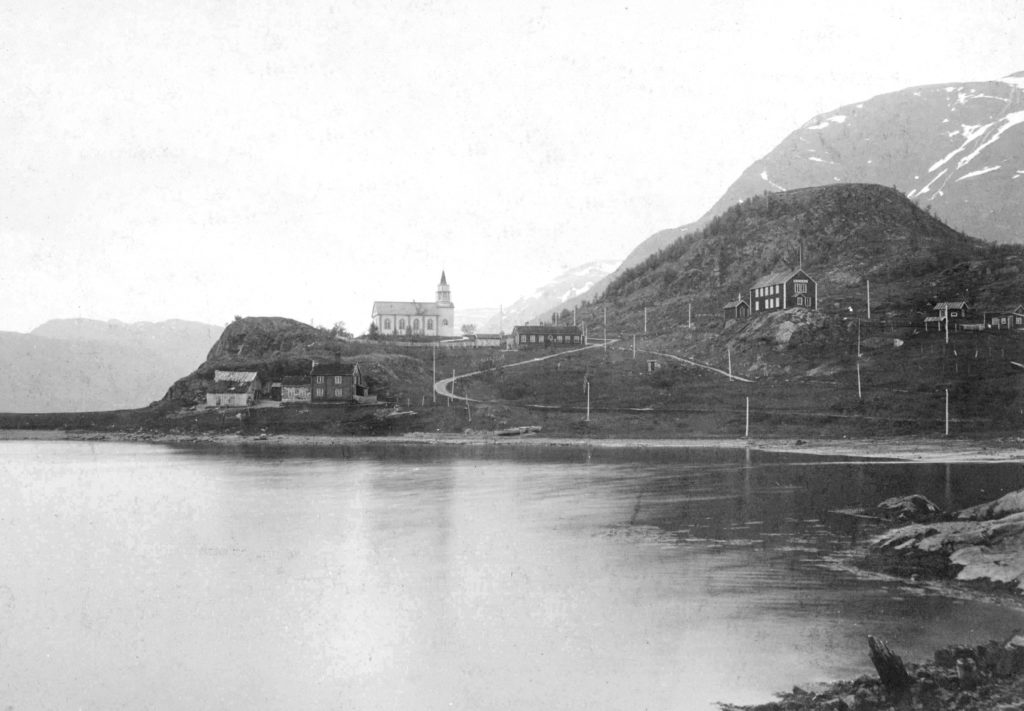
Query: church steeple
{"type": "Point", "coordinates": [444, 293]}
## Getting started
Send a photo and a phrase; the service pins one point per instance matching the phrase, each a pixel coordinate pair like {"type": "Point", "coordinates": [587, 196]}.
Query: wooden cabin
{"type": "Point", "coordinates": [548, 336]}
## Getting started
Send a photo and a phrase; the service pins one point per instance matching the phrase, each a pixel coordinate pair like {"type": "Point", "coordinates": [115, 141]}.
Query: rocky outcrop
{"type": "Point", "coordinates": [984, 544]}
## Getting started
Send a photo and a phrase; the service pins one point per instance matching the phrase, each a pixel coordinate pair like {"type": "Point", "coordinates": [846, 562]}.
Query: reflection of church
{"type": "Point", "coordinates": [412, 318]}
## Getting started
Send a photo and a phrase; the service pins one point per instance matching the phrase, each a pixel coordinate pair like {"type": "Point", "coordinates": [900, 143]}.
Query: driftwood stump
{"type": "Point", "coordinates": [890, 667]}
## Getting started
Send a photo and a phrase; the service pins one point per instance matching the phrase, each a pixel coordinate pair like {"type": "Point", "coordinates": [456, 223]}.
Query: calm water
{"type": "Point", "coordinates": [142, 576]}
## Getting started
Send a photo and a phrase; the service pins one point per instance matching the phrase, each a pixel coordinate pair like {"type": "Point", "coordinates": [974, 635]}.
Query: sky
{"type": "Point", "coordinates": [202, 160]}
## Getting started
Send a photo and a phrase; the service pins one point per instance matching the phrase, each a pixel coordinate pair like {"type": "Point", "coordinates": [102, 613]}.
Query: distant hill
{"type": "Point", "coordinates": [847, 234]}
{"type": "Point", "coordinates": [79, 365]}
{"type": "Point", "coordinates": [957, 148]}
{"type": "Point", "coordinates": [564, 288]}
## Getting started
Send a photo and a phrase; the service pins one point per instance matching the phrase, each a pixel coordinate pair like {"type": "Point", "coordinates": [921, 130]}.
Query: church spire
{"type": "Point", "coordinates": [444, 293]}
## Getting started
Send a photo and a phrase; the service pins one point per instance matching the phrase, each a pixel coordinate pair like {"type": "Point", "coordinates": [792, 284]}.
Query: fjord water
{"type": "Point", "coordinates": [149, 576]}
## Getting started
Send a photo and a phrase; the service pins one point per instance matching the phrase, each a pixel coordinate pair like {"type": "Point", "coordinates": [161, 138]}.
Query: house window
{"type": "Point", "coordinates": [319, 392]}
{"type": "Point", "coordinates": [319, 378]}
{"type": "Point", "coordinates": [799, 301]}
{"type": "Point", "coordinates": [338, 379]}
{"type": "Point", "coordinates": [800, 287]}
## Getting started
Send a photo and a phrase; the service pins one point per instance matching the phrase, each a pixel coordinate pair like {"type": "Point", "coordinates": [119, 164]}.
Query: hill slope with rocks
{"type": "Point", "coordinates": [844, 235]}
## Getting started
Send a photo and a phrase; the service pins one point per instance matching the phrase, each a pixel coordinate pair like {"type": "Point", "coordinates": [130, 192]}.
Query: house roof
{"type": "Point", "coordinates": [404, 308]}
{"type": "Point", "coordinates": [932, 319]}
{"type": "Point", "coordinates": [333, 368]}
{"type": "Point", "coordinates": [234, 376]}
{"type": "Point", "coordinates": [549, 330]}
{"type": "Point", "coordinates": [735, 304]}
{"type": "Point", "coordinates": [778, 277]}
{"type": "Point", "coordinates": [943, 305]}
{"type": "Point", "coordinates": [291, 381]}
{"type": "Point", "coordinates": [229, 386]}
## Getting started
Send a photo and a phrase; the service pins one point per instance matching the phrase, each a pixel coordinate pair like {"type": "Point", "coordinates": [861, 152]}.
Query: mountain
{"type": "Point", "coordinates": [845, 234]}
{"type": "Point", "coordinates": [955, 148]}
{"type": "Point", "coordinates": [566, 287]}
{"type": "Point", "coordinates": [79, 365]}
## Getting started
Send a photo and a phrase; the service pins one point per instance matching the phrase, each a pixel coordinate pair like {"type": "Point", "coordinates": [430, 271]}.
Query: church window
{"type": "Point", "coordinates": [387, 324]}
{"type": "Point", "coordinates": [401, 324]}
{"type": "Point", "coordinates": [444, 322]}
{"type": "Point", "coordinates": [416, 324]}
{"type": "Point", "coordinates": [430, 324]}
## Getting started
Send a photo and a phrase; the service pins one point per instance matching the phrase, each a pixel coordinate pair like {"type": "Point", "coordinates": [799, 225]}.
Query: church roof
{"type": "Point", "coordinates": [404, 308]}
{"type": "Point", "coordinates": [444, 282]}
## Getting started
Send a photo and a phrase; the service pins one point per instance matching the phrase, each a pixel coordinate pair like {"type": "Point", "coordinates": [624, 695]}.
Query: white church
{"type": "Point", "coordinates": [415, 318]}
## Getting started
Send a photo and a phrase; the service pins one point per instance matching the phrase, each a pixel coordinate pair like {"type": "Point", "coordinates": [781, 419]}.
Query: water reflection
{"type": "Point", "coordinates": [435, 577]}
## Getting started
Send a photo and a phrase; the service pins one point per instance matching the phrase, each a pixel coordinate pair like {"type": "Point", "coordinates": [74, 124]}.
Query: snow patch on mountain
{"type": "Point", "coordinates": [975, 173]}
{"type": "Point", "coordinates": [764, 177]}
{"type": "Point", "coordinates": [838, 118]}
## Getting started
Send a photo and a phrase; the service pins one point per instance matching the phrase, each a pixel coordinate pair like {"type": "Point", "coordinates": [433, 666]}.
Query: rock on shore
{"type": "Point", "coordinates": [984, 543]}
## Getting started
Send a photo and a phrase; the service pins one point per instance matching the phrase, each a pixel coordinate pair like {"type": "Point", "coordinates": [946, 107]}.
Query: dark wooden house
{"type": "Point", "coordinates": [547, 336]}
{"type": "Point", "coordinates": [336, 382]}
{"type": "Point", "coordinates": [1005, 319]}
{"type": "Point", "coordinates": [784, 290]}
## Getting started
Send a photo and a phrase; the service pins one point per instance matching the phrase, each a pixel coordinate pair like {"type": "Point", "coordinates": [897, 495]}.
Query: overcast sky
{"type": "Point", "coordinates": [198, 160]}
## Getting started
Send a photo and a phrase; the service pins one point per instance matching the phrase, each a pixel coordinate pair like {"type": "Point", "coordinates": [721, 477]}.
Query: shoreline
{"type": "Point", "coordinates": [923, 450]}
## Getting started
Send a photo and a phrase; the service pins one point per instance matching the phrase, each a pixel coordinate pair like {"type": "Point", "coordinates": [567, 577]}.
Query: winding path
{"type": "Point", "coordinates": [441, 387]}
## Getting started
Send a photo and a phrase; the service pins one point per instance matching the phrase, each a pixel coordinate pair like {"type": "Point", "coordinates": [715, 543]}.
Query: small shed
{"type": "Point", "coordinates": [737, 309]}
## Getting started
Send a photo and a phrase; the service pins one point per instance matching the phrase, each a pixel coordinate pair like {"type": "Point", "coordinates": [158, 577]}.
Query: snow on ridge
{"type": "Point", "coordinates": [1008, 121]}
{"type": "Point", "coordinates": [970, 133]}
{"type": "Point", "coordinates": [575, 291]}
{"type": "Point", "coordinates": [975, 173]}
{"type": "Point", "coordinates": [915, 193]}
{"type": "Point", "coordinates": [838, 118]}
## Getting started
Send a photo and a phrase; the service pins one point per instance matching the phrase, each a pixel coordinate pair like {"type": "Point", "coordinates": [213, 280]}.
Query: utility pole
{"type": "Point", "coordinates": [634, 346]}
{"type": "Point", "coordinates": [869, 299]}
{"type": "Point", "coordinates": [858, 338]}
{"type": "Point", "coordinates": [588, 399]}
{"type": "Point", "coordinates": [859, 396]}
{"type": "Point", "coordinates": [747, 431]}
{"type": "Point", "coordinates": [433, 372]}
{"type": "Point", "coordinates": [947, 412]}
{"type": "Point", "coordinates": [645, 319]}
{"type": "Point", "coordinates": [728, 350]}
{"type": "Point", "coordinates": [946, 311]}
